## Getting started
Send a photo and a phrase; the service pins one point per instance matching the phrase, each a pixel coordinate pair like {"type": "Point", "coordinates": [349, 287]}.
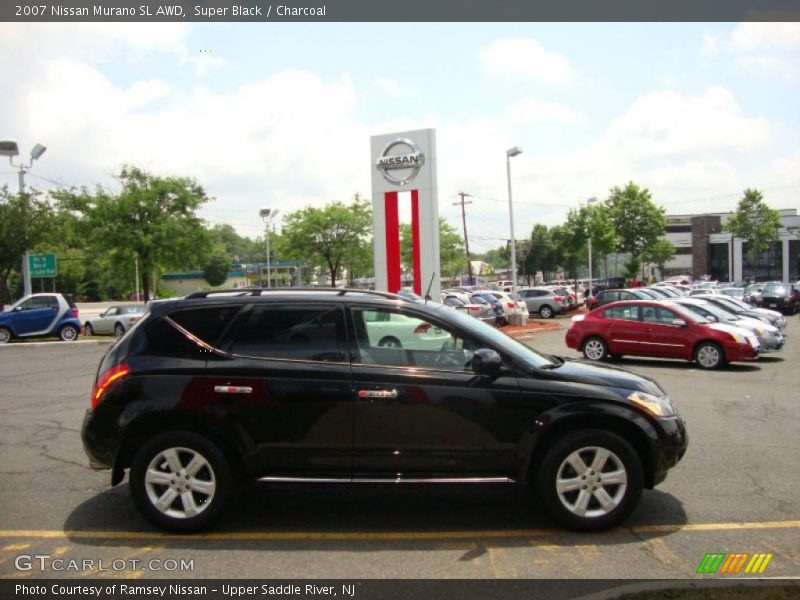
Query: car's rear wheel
{"type": "Point", "coordinates": [68, 333]}
{"type": "Point", "coordinates": [590, 480]}
{"type": "Point", "coordinates": [709, 355]}
{"type": "Point", "coordinates": [88, 329]}
{"type": "Point", "coordinates": [595, 349]}
{"type": "Point", "coordinates": [390, 342]}
{"type": "Point", "coordinates": [180, 481]}
{"type": "Point", "coordinates": [546, 312]}
{"type": "Point", "coordinates": [5, 335]}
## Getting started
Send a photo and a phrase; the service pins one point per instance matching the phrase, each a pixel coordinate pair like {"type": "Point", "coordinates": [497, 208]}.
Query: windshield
{"type": "Point", "coordinates": [695, 317]}
{"type": "Point", "coordinates": [775, 289]}
{"type": "Point", "coordinates": [730, 304]}
{"type": "Point", "coordinates": [517, 350]}
{"type": "Point", "coordinates": [709, 308]}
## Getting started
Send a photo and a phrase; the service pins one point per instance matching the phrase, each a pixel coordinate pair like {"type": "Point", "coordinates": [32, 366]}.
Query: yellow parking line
{"type": "Point", "coordinates": [281, 536]}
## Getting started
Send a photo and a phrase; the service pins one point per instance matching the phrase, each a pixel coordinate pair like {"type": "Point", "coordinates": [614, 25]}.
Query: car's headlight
{"type": "Point", "coordinates": [659, 406]}
{"type": "Point", "coordinates": [760, 332]}
{"type": "Point", "coordinates": [740, 339]}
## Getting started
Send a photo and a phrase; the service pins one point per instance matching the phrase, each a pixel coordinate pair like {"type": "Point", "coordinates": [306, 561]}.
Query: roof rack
{"type": "Point", "coordinates": [258, 291]}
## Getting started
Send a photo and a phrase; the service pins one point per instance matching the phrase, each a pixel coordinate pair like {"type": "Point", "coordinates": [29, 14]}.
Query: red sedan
{"type": "Point", "coordinates": [645, 328]}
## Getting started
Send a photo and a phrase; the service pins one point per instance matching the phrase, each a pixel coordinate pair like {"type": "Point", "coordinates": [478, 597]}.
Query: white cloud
{"type": "Point", "coordinates": [711, 45]}
{"type": "Point", "coordinates": [786, 68]}
{"type": "Point", "coordinates": [518, 57]}
{"type": "Point", "coordinates": [390, 86]}
{"type": "Point", "coordinates": [756, 36]}
{"type": "Point", "coordinates": [533, 110]}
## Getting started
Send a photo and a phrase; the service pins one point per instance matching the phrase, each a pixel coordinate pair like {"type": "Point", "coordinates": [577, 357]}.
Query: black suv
{"type": "Point", "coordinates": [294, 386]}
{"type": "Point", "coordinates": [780, 296]}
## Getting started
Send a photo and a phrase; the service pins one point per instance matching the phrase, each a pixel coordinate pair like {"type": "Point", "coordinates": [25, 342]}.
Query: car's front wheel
{"type": "Point", "coordinates": [68, 333]}
{"type": "Point", "coordinates": [590, 480]}
{"type": "Point", "coordinates": [88, 329]}
{"type": "Point", "coordinates": [709, 355]}
{"type": "Point", "coordinates": [180, 481]}
{"type": "Point", "coordinates": [119, 330]}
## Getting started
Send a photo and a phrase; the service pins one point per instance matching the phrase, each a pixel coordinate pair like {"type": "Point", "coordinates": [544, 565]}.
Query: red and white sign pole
{"type": "Point", "coordinates": [405, 162]}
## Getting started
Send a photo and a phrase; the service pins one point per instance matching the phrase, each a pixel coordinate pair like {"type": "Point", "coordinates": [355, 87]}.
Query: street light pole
{"type": "Point", "coordinates": [10, 149]}
{"type": "Point", "coordinates": [588, 202]}
{"type": "Point", "coordinates": [268, 214]}
{"type": "Point", "coordinates": [512, 152]}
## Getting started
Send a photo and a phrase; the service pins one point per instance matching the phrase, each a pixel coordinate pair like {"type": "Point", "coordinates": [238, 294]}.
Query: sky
{"type": "Point", "coordinates": [280, 115]}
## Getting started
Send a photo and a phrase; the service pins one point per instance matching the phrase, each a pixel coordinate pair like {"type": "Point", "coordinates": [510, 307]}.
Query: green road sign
{"type": "Point", "coordinates": [42, 265]}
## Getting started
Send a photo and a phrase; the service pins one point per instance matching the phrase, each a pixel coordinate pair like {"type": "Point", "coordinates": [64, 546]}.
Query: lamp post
{"type": "Point", "coordinates": [511, 153]}
{"type": "Point", "coordinates": [10, 149]}
{"type": "Point", "coordinates": [268, 214]}
{"type": "Point", "coordinates": [588, 202]}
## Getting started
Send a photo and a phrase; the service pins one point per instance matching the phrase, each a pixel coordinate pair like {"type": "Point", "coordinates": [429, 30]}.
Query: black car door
{"type": "Point", "coordinates": [420, 411]}
{"type": "Point", "coordinates": [288, 375]}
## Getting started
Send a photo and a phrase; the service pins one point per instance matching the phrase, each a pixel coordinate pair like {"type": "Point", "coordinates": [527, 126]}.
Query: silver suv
{"type": "Point", "coordinates": [546, 302]}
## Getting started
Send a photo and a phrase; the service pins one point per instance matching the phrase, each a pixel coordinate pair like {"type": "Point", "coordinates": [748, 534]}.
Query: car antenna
{"type": "Point", "coordinates": [428, 291]}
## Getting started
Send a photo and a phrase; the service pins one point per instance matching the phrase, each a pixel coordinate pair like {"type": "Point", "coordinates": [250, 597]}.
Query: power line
{"type": "Point", "coordinates": [463, 203]}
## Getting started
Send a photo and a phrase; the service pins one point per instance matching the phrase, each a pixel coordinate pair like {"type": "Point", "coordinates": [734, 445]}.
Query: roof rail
{"type": "Point", "coordinates": [258, 291]}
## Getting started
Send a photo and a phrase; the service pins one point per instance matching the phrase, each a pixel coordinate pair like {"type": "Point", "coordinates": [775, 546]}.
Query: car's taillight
{"type": "Point", "coordinates": [475, 308]}
{"type": "Point", "coordinates": [557, 298]}
{"type": "Point", "coordinates": [106, 379]}
{"type": "Point", "coordinates": [74, 312]}
{"type": "Point", "coordinates": [510, 304]}
{"type": "Point", "coordinates": [422, 328]}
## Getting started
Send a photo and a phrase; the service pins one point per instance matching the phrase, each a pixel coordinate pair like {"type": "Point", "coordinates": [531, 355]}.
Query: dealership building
{"type": "Point", "coordinates": [702, 247]}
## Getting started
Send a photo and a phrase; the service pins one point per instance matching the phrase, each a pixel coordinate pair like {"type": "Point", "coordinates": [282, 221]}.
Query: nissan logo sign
{"type": "Point", "coordinates": [400, 161]}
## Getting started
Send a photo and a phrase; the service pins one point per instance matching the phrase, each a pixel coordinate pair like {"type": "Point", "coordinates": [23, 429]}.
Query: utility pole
{"type": "Point", "coordinates": [466, 238]}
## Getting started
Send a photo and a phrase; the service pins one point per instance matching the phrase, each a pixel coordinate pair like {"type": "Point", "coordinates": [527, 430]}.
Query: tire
{"type": "Point", "coordinates": [546, 312]}
{"type": "Point", "coordinates": [709, 355]}
{"type": "Point", "coordinates": [5, 335]}
{"type": "Point", "coordinates": [586, 507]}
{"type": "Point", "coordinates": [595, 349]}
{"type": "Point", "coordinates": [389, 342]}
{"type": "Point", "coordinates": [158, 472]}
{"type": "Point", "coordinates": [119, 330]}
{"type": "Point", "coordinates": [88, 329]}
{"type": "Point", "coordinates": [68, 333]}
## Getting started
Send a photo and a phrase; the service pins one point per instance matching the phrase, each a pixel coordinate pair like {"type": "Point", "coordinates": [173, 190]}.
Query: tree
{"type": "Point", "coordinates": [756, 223]}
{"type": "Point", "coordinates": [330, 237]}
{"type": "Point", "coordinates": [233, 245]}
{"type": "Point", "coordinates": [660, 253]}
{"type": "Point", "coordinates": [25, 221]}
{"type": "Point", "coordinates": [216, 269]}
{"type": "Point", "coordinates": [637, 221]}
{"type": "Point", "coordinates": [452, 254]}
{"type": "Point", "coordinates": [152, 218]}
{"type": "Point", "coordinates": [541, 252]}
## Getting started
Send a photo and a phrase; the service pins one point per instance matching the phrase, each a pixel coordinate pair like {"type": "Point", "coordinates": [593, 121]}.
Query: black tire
{"type": "Point", "coordinates": [217, 470]}
{"type": "Point", "coordinates": [704, 352]}
{"type": "Point", "coordinates": [68, 333]}
{"type": "Point", "coordinates": [5, 335]}
{"type": "Point", "coordinates": [624, 497]}
{"type": "Point", "coordinates": [88, 329]}
{"type": "Point", "coordinates": [389, 342]}
{"type": "Point", "coordinates": [595, 349]}
{"type": "Point", "coordinates": [546, 312]}
{"type": "Point", "coordinates": [119, 330]}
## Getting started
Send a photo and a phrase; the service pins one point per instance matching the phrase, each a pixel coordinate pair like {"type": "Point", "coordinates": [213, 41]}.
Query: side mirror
{"type": "Point", "coordinates": [486, 362]}
{"type": "Point", "coordinates": [711, 318]}
{"type": "Point", "coordinates": [18, 308]}
{"type": "Point", "coordinates": [679, 323]}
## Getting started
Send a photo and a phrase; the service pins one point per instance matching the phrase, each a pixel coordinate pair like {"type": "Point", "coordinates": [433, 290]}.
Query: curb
{"type": "Point", "coordinates": [59, 343]}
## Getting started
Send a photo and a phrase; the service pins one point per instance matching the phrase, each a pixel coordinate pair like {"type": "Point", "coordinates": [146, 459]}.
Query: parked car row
{"type": "Point", "coordinates": [710, 330]}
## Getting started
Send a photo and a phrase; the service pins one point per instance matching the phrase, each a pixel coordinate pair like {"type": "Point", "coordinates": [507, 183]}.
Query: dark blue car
{"type": "Point", "coordinates": [40, 315]}
{"type": "Point", "coordinates": [497, 306]}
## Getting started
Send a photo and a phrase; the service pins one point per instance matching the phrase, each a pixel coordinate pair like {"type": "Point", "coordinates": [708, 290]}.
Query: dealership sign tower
{"type": "Point", "coordinates": [404, 166]}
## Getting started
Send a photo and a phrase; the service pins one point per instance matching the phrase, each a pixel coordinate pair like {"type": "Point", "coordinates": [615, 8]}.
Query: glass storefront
{"type": "Point", "coordinates": [718, 259]}
{"type": "Point", "coordinates": [768, 267]}
{"type": "Point", "coordinates": [794, 260]}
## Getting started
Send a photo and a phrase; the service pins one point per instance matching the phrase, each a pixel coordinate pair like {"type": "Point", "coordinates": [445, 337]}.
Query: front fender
{"type": "Point", "coordinates": [623, 420]}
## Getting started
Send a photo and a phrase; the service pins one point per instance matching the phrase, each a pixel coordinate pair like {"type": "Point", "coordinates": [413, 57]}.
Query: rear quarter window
{"type": "Point", "coordinates": [165, 338]}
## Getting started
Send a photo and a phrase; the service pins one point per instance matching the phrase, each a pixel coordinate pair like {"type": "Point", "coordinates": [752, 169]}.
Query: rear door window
{"type": "Point", "coordinates": [622, 313]}
{"type": "Point", "coordinates": [292, 333]}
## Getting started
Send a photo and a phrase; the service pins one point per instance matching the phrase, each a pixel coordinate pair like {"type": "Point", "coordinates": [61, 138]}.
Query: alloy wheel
{"type": "Point", "coordinates": [180, 482]}
{"type": "Point", "coordinates": [591, 482]}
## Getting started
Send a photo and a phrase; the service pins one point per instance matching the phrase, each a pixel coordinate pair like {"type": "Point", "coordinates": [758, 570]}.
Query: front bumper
{"type": "Point", "coordinates": [674, 443]}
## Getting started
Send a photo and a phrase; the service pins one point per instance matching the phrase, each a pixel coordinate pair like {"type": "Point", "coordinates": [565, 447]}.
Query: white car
{"type": "Point", "coordinates": [393, 330]}
{"type": "Point", "coordinates": [510, 306]}
{"type": "Point", "coordinates": [114, 320]}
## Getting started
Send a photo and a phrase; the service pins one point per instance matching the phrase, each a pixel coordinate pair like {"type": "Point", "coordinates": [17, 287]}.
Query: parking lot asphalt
{"type": "Point", "coordinates": [737, 490]}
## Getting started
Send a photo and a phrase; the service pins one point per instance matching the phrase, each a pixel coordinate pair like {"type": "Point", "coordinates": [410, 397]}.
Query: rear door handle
{"type": "Point", "coordinates": [377, 394]}
{"type": "Point", "coordinates": [233, 389]}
